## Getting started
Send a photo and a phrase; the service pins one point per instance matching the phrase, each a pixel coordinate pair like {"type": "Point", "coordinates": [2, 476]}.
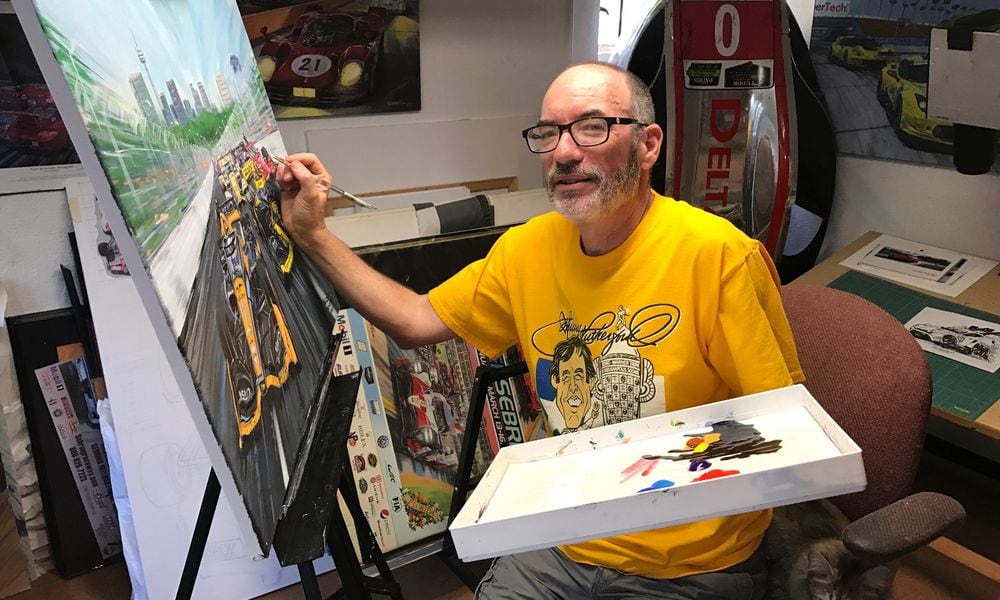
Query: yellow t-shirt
{"type": "Point", "coordinates": [686, 311]}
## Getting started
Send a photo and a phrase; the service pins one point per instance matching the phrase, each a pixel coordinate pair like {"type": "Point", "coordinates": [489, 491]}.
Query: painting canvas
{"type": "Point", "coordinates": [871, 57]}
{"type": "Point", "coordinates": [327, 58]}
{"type": "Point", "coordinates": [163, 461]}
{"type": "Point", "coordinates": [727, 457]}
{"type": "Point", "coordinates": [174, 128]}
{"type": "Point", "coordinates": [35, 149]}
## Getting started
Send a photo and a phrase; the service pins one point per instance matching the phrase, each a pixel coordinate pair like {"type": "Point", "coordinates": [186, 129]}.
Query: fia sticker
{"type": "Point", "coordinates": [311, 65]}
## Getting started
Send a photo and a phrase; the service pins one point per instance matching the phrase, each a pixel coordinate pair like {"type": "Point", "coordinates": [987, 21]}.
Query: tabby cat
{"type": "Point", "coordinates": [808, 560]}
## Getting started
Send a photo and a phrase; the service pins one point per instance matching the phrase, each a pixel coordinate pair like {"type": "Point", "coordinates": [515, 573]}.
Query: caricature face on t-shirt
{"type": "Point", "coordinates": [573, 382]}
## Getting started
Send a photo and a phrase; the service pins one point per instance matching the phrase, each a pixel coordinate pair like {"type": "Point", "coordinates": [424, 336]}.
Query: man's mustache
{"type": "Point", "coordinates": [563, 170]}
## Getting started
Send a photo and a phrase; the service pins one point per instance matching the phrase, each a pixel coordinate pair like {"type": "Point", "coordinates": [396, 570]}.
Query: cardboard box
{"type": "Point", "coordinates": [762, 450]}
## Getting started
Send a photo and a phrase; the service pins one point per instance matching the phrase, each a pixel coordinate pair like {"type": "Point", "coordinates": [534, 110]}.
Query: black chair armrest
{"type": "Point", "coordinates": [903, 526]}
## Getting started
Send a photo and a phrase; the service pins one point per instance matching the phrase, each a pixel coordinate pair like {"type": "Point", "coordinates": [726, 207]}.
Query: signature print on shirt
{"type": "Point", "coordinates": [586, 391]}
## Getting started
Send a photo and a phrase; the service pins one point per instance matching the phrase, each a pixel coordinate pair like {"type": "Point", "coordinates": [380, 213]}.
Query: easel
{"type": "Point", "coordinates": [314, 516]}
{"type": "Point", "coordinates": [486, 376]}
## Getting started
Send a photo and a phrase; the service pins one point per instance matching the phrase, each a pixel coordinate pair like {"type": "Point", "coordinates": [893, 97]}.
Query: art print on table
{"type": "Point", "coordinates": [175, 111]}
{"type": "Point", "coordinates": [331, 58]}
{"type": "Point", "coordinates": [919, 265]}
{"type": "Point", "coordinates": [961, 338]}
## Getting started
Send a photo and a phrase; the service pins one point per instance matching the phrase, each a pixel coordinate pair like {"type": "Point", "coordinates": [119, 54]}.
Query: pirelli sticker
{"type": "Point", "coordinates": [728, 74]}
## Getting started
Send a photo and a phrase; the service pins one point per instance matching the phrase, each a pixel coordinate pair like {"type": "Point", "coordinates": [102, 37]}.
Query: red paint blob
{"type": "Point", "coordinates": [691, 443]}
{"type": "Point", "coordinates": [643, 465]}
{"type": "Point", "coordinates": [714, 474]}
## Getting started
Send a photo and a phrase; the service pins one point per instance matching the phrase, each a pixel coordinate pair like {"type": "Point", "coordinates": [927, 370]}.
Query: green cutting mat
{"type": "Point", "coordinates": [958, 388]}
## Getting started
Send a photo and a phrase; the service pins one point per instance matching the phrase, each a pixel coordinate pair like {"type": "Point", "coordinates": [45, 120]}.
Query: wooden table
{"type": "Point", "coordinates": [983, 295]}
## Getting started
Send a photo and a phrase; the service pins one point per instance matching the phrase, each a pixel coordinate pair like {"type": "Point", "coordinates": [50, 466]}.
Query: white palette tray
{"type": "Point", "coordinates": [763, 450]}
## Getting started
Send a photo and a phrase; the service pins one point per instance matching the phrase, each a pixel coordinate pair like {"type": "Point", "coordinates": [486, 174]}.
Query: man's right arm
{"type": "Point", "coordinates": [405, 316]}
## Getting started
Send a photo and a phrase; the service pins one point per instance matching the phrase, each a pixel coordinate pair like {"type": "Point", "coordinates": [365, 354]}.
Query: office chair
{"type": "Point", "coordinates": [872, 377]}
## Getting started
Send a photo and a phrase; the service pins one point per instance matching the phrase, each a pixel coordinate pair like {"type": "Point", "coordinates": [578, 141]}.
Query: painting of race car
{"type": "Point", "coordinates": [108, 250]}
{"type": "Point", "coordinates": [325, 59]}
{"type": "Point", "coordinates": [257, 345]}
{"type": "Point", "coordinates": [249, 173]}
{"type": "Point", "coordinates": [872, 65]}
{"type": "Point", "coordinates": [858, 52]}
{"type": "Point", "coordinates": [181, 149]}
{"type": "Point", "coordinates": [902, 92]}
{"type": "Point", "coordinates": [432, 431]}
{"type": "Point", "coordinates": [37, 132]}
{"type": "Point", "coordinates": [32, 133]}
{"type": "Point", "coordinates": [258, 348]}
{"type": "Point", "coordinates": [328, 59]}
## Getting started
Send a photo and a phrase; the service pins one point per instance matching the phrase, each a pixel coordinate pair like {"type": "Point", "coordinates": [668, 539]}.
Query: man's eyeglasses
{"type": "Point", "coordinates": [588, 131]}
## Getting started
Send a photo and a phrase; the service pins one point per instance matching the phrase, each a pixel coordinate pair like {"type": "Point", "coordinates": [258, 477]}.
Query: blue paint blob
{"type": "Point", "coordinates": [699, 465]}
{"type": "Point", "coordinates": [658, 485]}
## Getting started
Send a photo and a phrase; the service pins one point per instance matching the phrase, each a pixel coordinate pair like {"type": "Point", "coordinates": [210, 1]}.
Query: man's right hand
{"type": "Point", "coordinates": [305, 184]}
{"type": "Point", "coordinates": [405, 316]}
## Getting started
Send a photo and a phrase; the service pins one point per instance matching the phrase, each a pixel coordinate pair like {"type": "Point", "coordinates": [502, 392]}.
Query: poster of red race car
{"type": "Point", "coordinates": [336, 57]}
{"type": "Point", "coordinates": [34, 144]}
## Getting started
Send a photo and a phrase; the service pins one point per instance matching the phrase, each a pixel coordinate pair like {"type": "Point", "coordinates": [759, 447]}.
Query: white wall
{"type": "Point", "coordinates": [33, 243]}
{"type": "Point", "coordinates": [933, 205]}
{"type": "Point", "coordinates": [484, 68]}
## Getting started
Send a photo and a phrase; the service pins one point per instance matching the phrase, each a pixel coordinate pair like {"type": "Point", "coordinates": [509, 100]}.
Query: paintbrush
{"type": "Point", "coordinates": [339, 190]}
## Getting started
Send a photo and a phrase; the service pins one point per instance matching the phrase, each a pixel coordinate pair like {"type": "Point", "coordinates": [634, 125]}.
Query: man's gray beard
{"type": "Point", "coordinates": [611, 190]}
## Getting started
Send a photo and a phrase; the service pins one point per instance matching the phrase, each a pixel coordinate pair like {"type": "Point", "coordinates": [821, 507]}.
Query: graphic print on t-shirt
{"type": "Point", "coordinates": [594, 373]}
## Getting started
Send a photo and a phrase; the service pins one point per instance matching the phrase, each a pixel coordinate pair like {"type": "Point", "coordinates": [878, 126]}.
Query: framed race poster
{"type": "Point", "coordinates": [35, 150]}
{"type": "Point", "coordinates": [329, 58]}
{"type": "Point", "coordinates": [872, 60]}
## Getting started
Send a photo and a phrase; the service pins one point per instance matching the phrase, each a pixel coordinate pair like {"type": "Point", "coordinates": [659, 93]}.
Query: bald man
{"type": "Point", "coordinates": [676, 306]}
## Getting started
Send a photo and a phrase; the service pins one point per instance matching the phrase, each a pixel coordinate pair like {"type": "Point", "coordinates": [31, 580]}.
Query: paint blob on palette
{"type": "Point", "coordinates": [727, 440]}
{"type": "Point", "coordinates": [725, 448]}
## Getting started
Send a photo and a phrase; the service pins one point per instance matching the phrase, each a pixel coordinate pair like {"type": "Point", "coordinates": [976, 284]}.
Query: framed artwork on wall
{"type": "Point", "coordinates": [872, 60]}
{"type": "Point", "coordinates": [35, 150]}
{"type": "Point", "coordinates": [331, 58]}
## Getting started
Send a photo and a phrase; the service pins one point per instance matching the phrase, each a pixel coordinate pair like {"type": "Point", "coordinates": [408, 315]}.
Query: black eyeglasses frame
{"type": "Point", "coordinates": [564, 127]}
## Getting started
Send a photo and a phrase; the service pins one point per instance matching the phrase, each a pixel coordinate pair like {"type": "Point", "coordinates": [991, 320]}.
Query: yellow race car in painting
{"type": "Point", "coordinates": [263, 193]}
{"type": "Point", "coordinates": [902, 91]}
{"type": "Point", "coordinates": [257, 345]}
{"type": "Point", "coordinates": [858, 52]}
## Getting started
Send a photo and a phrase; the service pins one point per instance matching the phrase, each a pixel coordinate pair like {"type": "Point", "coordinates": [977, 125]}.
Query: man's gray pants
{"type": "Point", "coordinates": [549, 574]}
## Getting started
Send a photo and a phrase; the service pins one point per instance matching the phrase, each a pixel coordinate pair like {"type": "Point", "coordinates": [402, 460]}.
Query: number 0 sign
{"type": "Point", "coordinates": [740, 30]}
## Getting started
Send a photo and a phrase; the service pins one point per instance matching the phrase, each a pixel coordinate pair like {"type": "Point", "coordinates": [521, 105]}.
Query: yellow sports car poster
{"type": "Point", "coordinates": [872, 61]}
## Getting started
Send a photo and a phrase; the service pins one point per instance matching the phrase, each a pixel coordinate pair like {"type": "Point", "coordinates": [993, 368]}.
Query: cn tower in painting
{"type": "Point", "coordinates": [142, 59]}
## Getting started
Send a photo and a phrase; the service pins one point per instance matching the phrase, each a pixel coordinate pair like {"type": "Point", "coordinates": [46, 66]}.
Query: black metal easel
{"type": "Point", "coordinates": [486, 376]}
{"type": "Point", "coordinates": [314, 514]}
